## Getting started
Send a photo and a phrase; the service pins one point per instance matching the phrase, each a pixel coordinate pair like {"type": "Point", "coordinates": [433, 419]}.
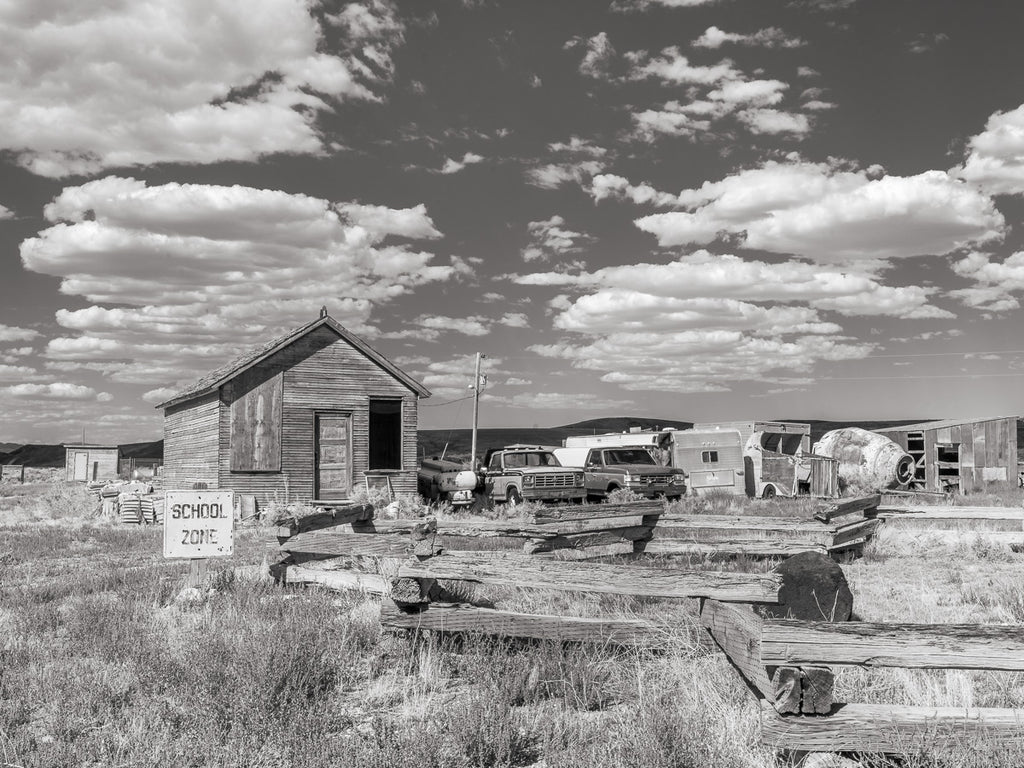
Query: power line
{"type": "Point", "coordinates": [937, 376]}
{"type": "Point", "coordinates": [438, 405]}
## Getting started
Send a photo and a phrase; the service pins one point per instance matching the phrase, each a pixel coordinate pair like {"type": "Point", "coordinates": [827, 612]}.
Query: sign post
{"type": "Point", "coordinates": [199, 525]}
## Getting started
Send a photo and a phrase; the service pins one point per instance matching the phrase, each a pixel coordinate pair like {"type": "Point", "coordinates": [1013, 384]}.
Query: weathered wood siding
{"type": "Point", "coordinates": [191, 432]}
{"type": "Point", "coordinates": [322, 373]}
{"type": "Point", "coordinates": [988, 452]}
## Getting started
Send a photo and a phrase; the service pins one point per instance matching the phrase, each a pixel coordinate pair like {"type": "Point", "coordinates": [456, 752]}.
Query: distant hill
{"type": "Point", "coordinates": [433, 441]}
{"type": "Point", "coordinates": [53, 455]}
{"type": "Point", "coordinates": [8, 447]}
{"type": "Point", "coordinates": [35, 456]}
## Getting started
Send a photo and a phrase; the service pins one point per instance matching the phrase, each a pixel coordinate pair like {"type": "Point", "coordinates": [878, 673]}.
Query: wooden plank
{"type": "Point", "coordinates": [917, 646]}
{"type": "Point", "coordinates": [587, 540]}
{"type": "Point", "coordinates": [334, 543]}
{"type": "Point", "coordinates": [786, 689]}
{"type": "Point", "coordinates": [591, 552]}
{"type": "Point", "coordinates": [737, 631]}
{"type": "Point", "coordinates": [848, 508]}
{"type": "Point", "coordinates": [817, 685]}
{"type": "Point", "coordinates": [890, 728]}
{"type": "Point", "coordinates": [255, 423]}
{"type": "Point", "coordinates": [341, 581]}
{"type": "Point", "coordinates": [670, 526]}
{"type": "Point", "coordinates": [447, 617]}
{"type": "Point", "coordinates": [852, 535]}
{"type": "Point", "coordinates": [496, 528]}
{"type": "Point", "coordinates": [527, 571]}
{"type": "Point", "coordinates": [750, 547]}
{"type": "Point", "coordinates": [329, 517]}
{"type": "Point", "coordinates": [925, 512]}
{"type": "Point", "coordinates": [586, 511]}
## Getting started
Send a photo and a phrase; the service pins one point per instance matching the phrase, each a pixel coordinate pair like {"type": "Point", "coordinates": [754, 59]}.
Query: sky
{"type": "Point", "coordinates": [696, 210]}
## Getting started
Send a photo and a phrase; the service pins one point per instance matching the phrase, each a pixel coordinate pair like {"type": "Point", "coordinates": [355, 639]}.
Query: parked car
{"type": "Point", "coordinates": [631, 468]}
{"type": "Point", "coordinates": [530, 472]}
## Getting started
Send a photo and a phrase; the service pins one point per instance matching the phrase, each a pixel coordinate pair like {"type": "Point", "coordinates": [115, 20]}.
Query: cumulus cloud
{"type": "Point", "coordinates": [705, 321]}
{"type": "Point", "coordinates": [563, 401]}
{"type": "Point", "coordinates": [188, 82]}
{"type": "Point", "coordinates": [6, 213]}
{"type": "Point", "coordinates": [822, 212]}
{"type": "Point", "coordinates": [196, 271]}
{"type": "Point", "coordinates": [770, 37]}
{"type": "Point", "coordinates": [13, 333]}
{"type": "Point", "coordinates": [995, 159]}
{"type": "Point", "coordinates": [703, 275]}
{"type": "Point", "coordinates": [470, 326]}
{"type": "Point", "coordinates": [598, 57]}
{"type": "Point", "coordinates": [577, 160]}
{"type": "Point", "coordinates": [550, 238]}
{"type": "Point", "coordinates": [926, 41]}
{"type": "Point", "coordinates": [715, 92]}
{"type": "Point", "coordinates": [774, 121]}
{"type": "Point", "coordinates": [996, 282]}
{"type": "Point", "coordinates": [626, 6]}
{"type": "Point", "coordinates": [673, 67]}
{"type": "Point", "coordinates": [454, 166]}
{"type": "Point", "coordinates": [58, 390]}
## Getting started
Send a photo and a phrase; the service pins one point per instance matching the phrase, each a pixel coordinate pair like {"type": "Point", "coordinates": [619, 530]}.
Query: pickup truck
{"type": "Point", "coordinates": [530, 472]}
{"type": "Point", "coordinates": [635, 469]}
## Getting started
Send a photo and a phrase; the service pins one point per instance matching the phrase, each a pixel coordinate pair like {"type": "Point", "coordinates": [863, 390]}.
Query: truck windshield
{"type": "Point", "coordinates": [516, 460]}
{"type": "Point", "coordinates": [629, 456]}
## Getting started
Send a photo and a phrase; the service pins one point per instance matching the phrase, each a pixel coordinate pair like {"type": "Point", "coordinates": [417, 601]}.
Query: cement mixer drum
{"type": "Point", "coordinates": [866, 458]}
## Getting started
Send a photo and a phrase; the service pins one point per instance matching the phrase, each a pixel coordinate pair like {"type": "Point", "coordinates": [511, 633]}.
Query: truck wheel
{"type": "Point", "coordinates": [513, 497]}
{"type": "Point", "coordinates": [768, 492]}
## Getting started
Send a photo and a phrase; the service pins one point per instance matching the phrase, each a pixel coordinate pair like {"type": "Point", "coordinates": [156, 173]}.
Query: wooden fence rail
{"type": "Point", "coordinates": [769, 625]}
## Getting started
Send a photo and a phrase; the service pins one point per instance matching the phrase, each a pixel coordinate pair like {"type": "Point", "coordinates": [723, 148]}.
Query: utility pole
{"type": "Point", "coordinates": [476, 386]}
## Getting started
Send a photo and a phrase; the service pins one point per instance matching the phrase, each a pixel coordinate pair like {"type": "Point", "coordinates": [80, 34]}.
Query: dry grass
{"type": "Point", "coordinates": [102, 665]}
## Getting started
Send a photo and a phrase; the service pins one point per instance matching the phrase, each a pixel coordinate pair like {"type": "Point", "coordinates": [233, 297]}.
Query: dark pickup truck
{"type": "Point", "coordinates": [608, 469]}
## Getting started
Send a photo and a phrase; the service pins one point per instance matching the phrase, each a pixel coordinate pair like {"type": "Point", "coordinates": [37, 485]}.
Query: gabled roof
{"type": "Point", "coordinates": [215, 379]}
{"type": "Point", "coordinates": [941, 424]}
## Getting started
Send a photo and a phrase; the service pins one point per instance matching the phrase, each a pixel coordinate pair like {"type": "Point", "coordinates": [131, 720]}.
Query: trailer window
{"type": "Point", "coordinates": [709, 457]}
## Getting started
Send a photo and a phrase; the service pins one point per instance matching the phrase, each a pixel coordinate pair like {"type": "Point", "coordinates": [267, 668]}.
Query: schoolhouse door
{"type": "Point", "coordinates": [333, 474]}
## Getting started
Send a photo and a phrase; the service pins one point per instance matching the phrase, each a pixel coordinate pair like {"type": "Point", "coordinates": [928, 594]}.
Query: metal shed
{"type": "Point", "coordinates": [85, 462]}
{"type": "Point", "coordinates": [309, 416]}
{"type": "Point", "coordinates": [959, 454]}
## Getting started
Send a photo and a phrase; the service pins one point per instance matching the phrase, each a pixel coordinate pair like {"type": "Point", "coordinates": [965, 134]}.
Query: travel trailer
{"type": "Point", "coordinates": [778, 461]}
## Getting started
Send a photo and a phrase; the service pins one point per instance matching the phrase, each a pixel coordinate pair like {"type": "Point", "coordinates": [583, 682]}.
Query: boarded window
{"type": "Point", "coordinates": [256, 427]}
{"type": "Point", "coordinates": [385, 434]}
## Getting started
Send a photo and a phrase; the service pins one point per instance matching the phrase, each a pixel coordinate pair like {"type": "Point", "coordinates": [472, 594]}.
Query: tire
{"type": "Point", "coordinates": [513, 497]}
{"type": "Point", "coordinates": [611, 488]}
{"type": "Point", "coordinates": [768, 492]}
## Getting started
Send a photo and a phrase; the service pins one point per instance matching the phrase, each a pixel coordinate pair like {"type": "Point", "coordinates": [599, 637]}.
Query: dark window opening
{"type": "Point", "coordinates": [777, 442]}
{"type": "Point", "coordinates": [385, 434]}
{"type": "Point", "coordinates": [948, 452]}
{"type": "Point", "coordinates": [709, 457]}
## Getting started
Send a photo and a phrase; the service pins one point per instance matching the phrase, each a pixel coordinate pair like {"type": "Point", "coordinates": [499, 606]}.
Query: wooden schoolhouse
{"type": "Point", "coordinates": [307, 417]}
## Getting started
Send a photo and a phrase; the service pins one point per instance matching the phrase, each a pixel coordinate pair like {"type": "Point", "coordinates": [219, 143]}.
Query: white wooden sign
{"type": "Point", "coordinates": [199, 524]}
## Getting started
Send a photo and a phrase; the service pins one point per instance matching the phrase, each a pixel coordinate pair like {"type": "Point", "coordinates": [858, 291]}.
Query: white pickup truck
{"type": "Point", "coordinates": [530, 472]}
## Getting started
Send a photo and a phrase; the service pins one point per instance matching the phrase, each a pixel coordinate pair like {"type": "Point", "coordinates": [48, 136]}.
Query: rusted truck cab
{"type": "Point", "coordinates": [530, 473]}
